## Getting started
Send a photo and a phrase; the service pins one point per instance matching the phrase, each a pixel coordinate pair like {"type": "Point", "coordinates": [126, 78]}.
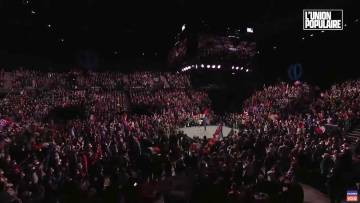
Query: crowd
{"type": "Point", "coordinates": [42, 158]}
{"type": "Point", "coordinates": [281, 98]}
{"type": "Point", "coordinates": [109, 155]}
{"type": "Point", "coordinates": [156, 80]}
{"type": "Point", "coordinates": [307, 139]}
{"type": "Point", "coordinates": [184, 103]}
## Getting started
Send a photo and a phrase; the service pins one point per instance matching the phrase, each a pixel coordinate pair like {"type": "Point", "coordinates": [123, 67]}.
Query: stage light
{"type": "Point", "coordinates": [219, 66]}
{"type": "Point", "coordinates": [208, 66]}
{"type": "Point", "coordinates": [303, 38]}
{"type": "Point", "coordinates": [237, 67]}
{"type": "Point", "coordinates": [33, 12]}
{"type": "Point", "coordinates": [49, 25]}
{"type": "Point", "coordinates": [241, 68]}
{"type": "Point", "coordinates": [311, 35]}
{"type": "Point", "coordinates": [183, 27]}
{"type": "Point", "coordinates": [250, 30]}
{"type": "Point", "coordinates": [213, 66]}
{"type": "Point", "coordinates": [196, 66]}
{"type": "Point", "coordinates": [247, 70]}
{"type": "Point", "coordinates": [202, 65]}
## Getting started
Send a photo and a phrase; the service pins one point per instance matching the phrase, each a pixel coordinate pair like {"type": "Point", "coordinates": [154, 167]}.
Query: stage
{"type": "Point", "coordinates": [199, 131]}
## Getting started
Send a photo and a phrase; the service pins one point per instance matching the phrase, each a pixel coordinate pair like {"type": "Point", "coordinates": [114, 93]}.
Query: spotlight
{"type": "Point", "coordinates": [232, 67]}
{"type": "Point", "coordinates": [247, 70]}
{"type": "Point", "coordinates": [208, 66]}
{"type": "Point", "coordinates": [213, 66]}
{"type": "Point", "coordinates": [202, 65]}
{"type": "Point", "coordinates": [237, 68]}
{"type": "Point", "coordinates": [241, 68]}
{"type": "Point", "coordinates": [219, 66]}
{"type": "Point", "coordinates": [183, 27]}
{"type": "Point", "coordinates": [49, 25]}
{"type": "Point", "coordinates": [250, 30]}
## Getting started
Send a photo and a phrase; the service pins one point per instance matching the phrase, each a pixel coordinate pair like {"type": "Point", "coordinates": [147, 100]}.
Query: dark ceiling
{"type": "Point", "coordinates": [127, 29]}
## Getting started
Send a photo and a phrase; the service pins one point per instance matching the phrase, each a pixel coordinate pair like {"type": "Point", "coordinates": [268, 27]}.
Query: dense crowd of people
{"type": "Point", "coordinates": [105, 154]}
{"type": "Point", "coordinates": [77, 150]}
{"type": "Point", "coordinates": [309, 134]}
{"type": "Point", "coordinates": [184, 103]}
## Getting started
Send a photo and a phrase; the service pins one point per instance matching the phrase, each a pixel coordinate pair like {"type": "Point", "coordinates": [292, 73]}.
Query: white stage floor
{"type": "Point", "coordinates": [199, 131]}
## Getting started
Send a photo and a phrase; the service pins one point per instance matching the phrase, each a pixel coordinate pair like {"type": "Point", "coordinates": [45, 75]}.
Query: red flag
{"type": "Point", "coordinates": [216, 136]}
{"type": "Point", "coordinates": [154, 150]}
{"type": "Point", "coordinates": [217, 133]}
{"type": "Point", "coordinates": [97, 154]}
{"type": "Point", "coordinates": [206, 111]}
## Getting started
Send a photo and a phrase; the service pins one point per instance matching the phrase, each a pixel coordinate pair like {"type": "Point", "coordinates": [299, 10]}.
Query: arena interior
{"type": "Point", "coordinates": [179, 101]}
